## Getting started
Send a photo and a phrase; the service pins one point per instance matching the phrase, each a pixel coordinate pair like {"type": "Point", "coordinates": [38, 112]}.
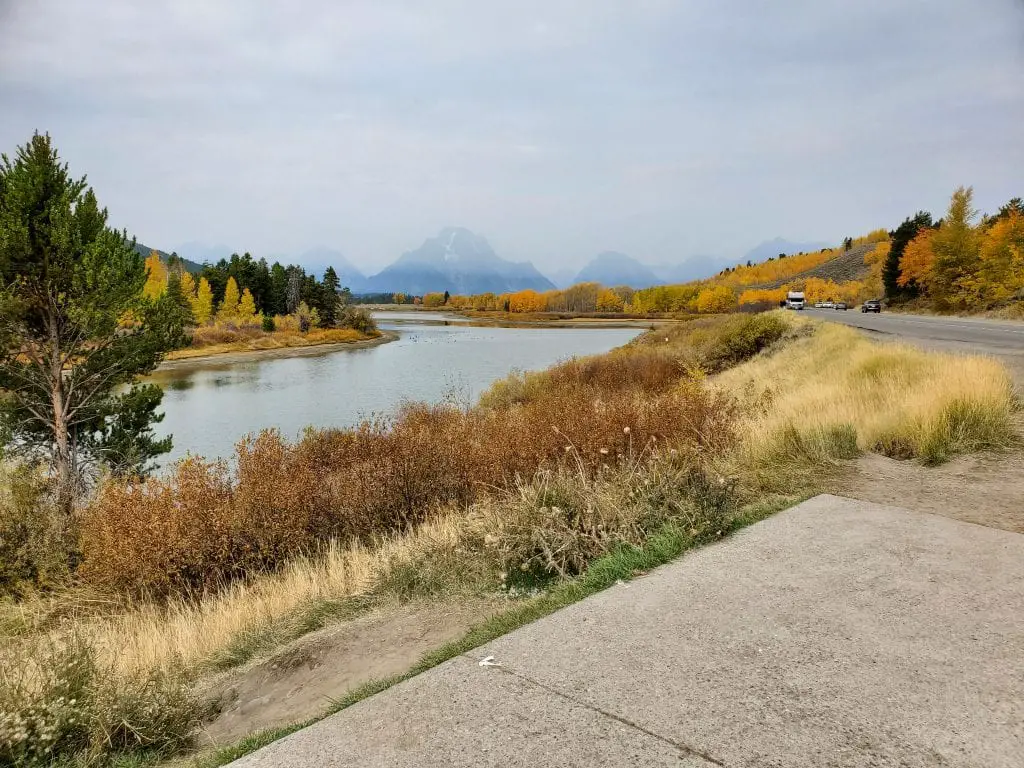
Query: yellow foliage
{"type": "Point", "coordinates": [229, 307]}
{"type": "Point", "coordinates": [609, 301]}
{"type": "Point", "coordinates": [763, 295]}
{"type": "Point", "coordinates": [202, 302]}
{"type": "Point", "coordinates": [433, 300]}
{"type": "Point", "coordinates": [188, 285]}
{"type": "Point", "coordinates": [717, 299]}
{"type": "Point", "coordinates": [247, 307]}
{"type": "Point", "coordinates": [874, 236]}
{"type": "Point", "coordinates": [156, 277]}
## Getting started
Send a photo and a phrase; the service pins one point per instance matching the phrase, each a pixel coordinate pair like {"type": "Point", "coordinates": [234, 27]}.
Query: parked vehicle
{"type": "Point", "coordinates": [795, 300]}
{"type": "Point", "coordinates": [841, 305]}
{"type": "Point", "coordinates": [819, 304]}
{"type": "Point", "coordinates": [871, 305]}
{"type": "Point", "coordinates": [827, 304]}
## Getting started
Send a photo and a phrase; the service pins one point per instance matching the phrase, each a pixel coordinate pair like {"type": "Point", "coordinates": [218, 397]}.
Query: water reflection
{"type": "Point", "coordinates": [437, 357]}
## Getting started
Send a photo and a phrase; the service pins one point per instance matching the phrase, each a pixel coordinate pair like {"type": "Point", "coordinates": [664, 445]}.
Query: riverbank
{"type": "Point", "coordinates": [230, 354]}
{"type": "Point", "coordinates": [625, 460]}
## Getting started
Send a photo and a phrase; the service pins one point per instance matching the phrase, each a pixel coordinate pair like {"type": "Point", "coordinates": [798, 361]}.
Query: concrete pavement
{"type": "Point", "coordinates": [836, 633]}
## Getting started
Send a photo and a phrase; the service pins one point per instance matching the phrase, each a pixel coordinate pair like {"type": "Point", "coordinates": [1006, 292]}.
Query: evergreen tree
{"type": "Point", "coordinates": [329, 288]}
{"type": "Point", "coordinates": [75, 327]}
{"type": "Point", "coordinates": [902, 235]}
{"type": "Point", "coordinates": [278, 304]}
{"type": "Point", "coordinates": [177, 300]}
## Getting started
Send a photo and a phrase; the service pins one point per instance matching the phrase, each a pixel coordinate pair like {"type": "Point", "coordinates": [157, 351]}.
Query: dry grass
{"type": "Point", "coordinates": [214, 340]}
{"type": "Point", "coordinates": [833, 393]}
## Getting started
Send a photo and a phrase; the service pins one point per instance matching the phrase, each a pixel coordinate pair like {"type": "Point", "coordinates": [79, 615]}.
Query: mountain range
{"type": "Point", "coordinates": [613, 268]}
{"type": "Point", "coordinates": [457, 261]}
{"type": "Point", "coordinates": [462, 262]}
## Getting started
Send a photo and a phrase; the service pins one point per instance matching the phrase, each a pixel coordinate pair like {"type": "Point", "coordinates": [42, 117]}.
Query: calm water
{"type": "Point", "coordinates": [208, 410]}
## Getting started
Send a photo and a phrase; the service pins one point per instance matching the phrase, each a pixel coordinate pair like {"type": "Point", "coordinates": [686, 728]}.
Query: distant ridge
{"type": "Point", "coordinates": [460, 262]}
{"type": "Point", "coordinates": [613, 268]}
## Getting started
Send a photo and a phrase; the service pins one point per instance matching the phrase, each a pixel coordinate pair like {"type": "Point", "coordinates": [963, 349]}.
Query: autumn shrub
{"type": "Point", "coordinates": [37, 547]}
{"type": "Point", "coordinates": [358, 318]}
{"type": "Point", "coordinates": [59, 702]}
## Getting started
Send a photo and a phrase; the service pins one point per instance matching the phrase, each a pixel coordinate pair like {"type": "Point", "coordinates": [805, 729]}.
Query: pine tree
{"type": "Point", "coordinates": [177, 301]}
{"type": "Point", "coordinates": [228, 311]}
{"type": "Point", "coordinates": [329, 287]}
{"type": "Point", "coordinates": [902, 235]}
{"type": "Point", "coordinates": [202, 304]}
{"type": "Point", "coordinates": [75, 327]}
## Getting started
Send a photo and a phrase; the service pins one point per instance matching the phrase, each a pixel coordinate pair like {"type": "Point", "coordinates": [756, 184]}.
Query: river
{"type": "Point", "coordinates": [435, 357]}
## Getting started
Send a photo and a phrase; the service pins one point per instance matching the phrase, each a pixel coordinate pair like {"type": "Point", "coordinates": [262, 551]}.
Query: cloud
{"type": "Point", "coordinates": [558, 129]}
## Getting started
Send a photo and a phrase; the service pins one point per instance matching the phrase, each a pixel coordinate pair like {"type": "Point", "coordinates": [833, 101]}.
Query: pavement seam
{"type": "Point", "coordinates": [686, 749]}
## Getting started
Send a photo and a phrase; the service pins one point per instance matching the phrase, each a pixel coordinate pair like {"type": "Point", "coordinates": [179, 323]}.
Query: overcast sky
{"type": "Point", "coordinates": [556, 128]}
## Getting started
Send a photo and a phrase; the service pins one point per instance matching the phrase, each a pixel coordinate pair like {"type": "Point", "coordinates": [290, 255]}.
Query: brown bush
{"type": "Point", "coordinates": [224, 333]}
{"type": "Point", "coordinates": [204, 523]}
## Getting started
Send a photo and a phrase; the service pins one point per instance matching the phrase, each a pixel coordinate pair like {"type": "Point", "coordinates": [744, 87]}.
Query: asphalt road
{"type": "Point", "coordinates": [837, 633]}
{"type": "Point", "coordinates": [972, 334]}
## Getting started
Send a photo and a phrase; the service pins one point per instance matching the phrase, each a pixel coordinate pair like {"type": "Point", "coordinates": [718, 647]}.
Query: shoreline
{"type": "Point", "coordinates": [243, 356]}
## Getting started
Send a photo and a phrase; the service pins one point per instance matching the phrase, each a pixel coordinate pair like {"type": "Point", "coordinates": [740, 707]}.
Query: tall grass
{"type": "Point", "coordinates": [832, 393]}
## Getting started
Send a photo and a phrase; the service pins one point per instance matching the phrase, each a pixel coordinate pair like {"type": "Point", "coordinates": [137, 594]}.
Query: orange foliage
{"type": "Point", "coordinates": [526, 301]}
{"type": "Point", "coordinates": [918, 260]}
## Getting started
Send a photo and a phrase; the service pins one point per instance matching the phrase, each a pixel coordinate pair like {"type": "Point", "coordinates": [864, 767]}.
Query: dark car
{"type": "Point", "coordinates": [871, 305]}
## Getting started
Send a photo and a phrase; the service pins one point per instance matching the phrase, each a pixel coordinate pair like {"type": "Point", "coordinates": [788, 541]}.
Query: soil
{"type": "Point", "coordinates": [987, 489]}
{"type": "Point", "coordinates": [302, 679]}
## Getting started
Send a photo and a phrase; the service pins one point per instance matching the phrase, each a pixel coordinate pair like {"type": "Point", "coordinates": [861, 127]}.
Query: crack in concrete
{"type": "Point", "coordinates": [686, 749]}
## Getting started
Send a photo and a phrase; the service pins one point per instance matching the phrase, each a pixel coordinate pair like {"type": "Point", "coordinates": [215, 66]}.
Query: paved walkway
{"type": "Point", "coordinates": [837, 633]}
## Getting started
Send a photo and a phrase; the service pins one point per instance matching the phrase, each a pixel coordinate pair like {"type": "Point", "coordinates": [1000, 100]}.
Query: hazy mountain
{"type": "Point", "coordinates": [771, 248]}
{"type": "Point", "coordinates": [317, 260]}
{"type": "Point", "coordinates": [460, 262]}
{"type": "Point", "coordinates": [694, 268]}
{"type": "Point", "coordinates": [613, 268]}
{"type": "Point", "coordinates": [562, 277]}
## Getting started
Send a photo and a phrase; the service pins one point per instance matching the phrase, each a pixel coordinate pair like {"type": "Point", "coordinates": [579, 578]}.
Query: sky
{"type": "Point", "coordinates": [670, 131]}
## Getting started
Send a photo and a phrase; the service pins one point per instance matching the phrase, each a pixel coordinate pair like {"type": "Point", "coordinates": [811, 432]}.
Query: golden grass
{"type": "Point", "coordinates": [144, 636]}
{"type": "Point", "coordinates": [833, 386]}
{"type": "Point", "coordinates": [276, 340]}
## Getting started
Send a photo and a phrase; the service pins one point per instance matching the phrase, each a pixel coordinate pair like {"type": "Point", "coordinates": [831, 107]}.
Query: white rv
{"type": "Point", "coordinates": [795, 300]}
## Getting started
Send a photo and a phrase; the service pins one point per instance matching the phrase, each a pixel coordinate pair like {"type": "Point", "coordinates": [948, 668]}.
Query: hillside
{"type": "Point", "coordinates": [847, 267]}
{"type": "Point", "coordinates": [145, 250]}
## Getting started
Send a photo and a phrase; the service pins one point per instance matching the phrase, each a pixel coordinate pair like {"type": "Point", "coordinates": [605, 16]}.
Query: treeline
{"type": "Point", "coordinates": [244, 291]}
{"type": "Point", "coordinates": [963, 262]}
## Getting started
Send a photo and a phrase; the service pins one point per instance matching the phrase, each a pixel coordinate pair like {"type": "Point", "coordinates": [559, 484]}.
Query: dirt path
{"type": "Point", "coordinates": [986, 489]}
{"type": "Point", "coordinates": [302, 678]}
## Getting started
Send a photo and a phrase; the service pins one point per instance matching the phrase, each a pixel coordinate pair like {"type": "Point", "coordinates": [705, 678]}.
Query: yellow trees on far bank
{"type": "Point", "coordinates": [202, 302]}
{"type": "Point", "coordinates": [719, 298]}
{"type": "Point", "coordinates": [228, 311]}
